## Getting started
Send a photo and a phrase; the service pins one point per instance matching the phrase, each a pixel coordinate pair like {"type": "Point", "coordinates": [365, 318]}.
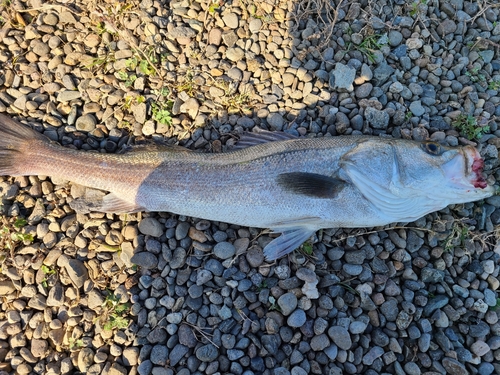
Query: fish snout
{"type": "Point", "coordinates": [474, 167]}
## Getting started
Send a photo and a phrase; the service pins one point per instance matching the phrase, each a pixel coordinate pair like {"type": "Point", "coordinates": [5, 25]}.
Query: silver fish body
{"type": "Point", "coordinates": [294, 186]}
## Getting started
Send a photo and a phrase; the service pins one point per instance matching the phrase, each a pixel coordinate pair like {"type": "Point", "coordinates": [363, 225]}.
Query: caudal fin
{"type": "Point", "coordinates": [16, 142]}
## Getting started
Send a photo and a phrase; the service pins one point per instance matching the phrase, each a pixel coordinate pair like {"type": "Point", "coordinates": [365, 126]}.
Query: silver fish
{"type": "Point", "coordinates": [291, 185]}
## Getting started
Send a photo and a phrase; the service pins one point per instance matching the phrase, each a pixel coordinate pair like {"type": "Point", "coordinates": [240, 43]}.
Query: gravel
{"type": "Point", "coordinates": [157, 293]}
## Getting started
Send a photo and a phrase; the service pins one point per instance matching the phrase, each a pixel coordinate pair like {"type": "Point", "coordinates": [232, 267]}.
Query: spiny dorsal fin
{"type": "Point", "coordinates": [311, 184]}
{"type": "Point", "coordinates": [248, 139]}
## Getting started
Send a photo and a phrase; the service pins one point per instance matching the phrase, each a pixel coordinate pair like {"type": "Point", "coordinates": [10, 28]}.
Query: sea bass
{"type": "Point", "coordinates": [295, 186]}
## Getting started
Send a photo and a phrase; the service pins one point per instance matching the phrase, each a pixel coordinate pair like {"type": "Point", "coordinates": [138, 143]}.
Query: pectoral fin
{"type": "Point", "coordinates": [287, 242]}
{"type": "Point", "coordinates": [311, 184]}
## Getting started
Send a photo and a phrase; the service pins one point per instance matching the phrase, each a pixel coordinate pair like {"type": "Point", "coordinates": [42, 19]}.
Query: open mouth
{"type": "Point", "coordinates": [476, 168]}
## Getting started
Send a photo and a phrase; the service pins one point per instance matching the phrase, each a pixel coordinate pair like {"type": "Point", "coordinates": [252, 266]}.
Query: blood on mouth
{"type": "Point", "coordinates": [477, 168]}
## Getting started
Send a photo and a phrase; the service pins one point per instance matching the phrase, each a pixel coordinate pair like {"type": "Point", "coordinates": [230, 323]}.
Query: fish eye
{"type": "Point", "coordinates": [432, 148]}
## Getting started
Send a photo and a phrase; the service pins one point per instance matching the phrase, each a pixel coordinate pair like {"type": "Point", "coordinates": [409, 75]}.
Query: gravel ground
{"type": "Point", "coordinates": [161, 294]}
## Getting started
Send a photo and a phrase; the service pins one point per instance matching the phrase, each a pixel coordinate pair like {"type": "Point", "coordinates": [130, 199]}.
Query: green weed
{"type": "Point", "coordinates": [474, 75]}
{"type": "Point", "coordinates": [274, 305]}
{"type": "Point", "coordinates": [113, 313]}
{"type": "Point", "coordinates": [75, 344]}
{"type": "Point", "coordinates": [494, 85]}
{"type": "Point", "coordinates": [12, 235]}
{"type": "Point", "coordinates": [368, 47]}
{"type": "Point", "coordinates": [48, 272]}
{"type": "Point", "coordinates": [415, 7]}
{"type": "Point", "coordinates": [459, 233]}
{"type": "Point", "coordinates": [467, 125]}
{"type": "Point", "coordinates": [161, 113]}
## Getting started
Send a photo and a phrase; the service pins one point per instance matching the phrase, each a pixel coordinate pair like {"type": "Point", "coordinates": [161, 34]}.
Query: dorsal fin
{"type": "Point", "coordinates": [260, 136]}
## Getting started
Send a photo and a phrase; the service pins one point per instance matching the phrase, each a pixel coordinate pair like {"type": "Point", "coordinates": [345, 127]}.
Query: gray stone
{"type": "Point", "coordinates": [340, 336]}
{"type": "Point", "coordinates": [177, 353]}
{"type": "Point", "coordinates": [372, 355]}
{"type": "Point", "coordinates": [343, 77]}
{"type": "Point", "coordinates": [159, 355]}
{"type": "Point", "coordinates": [382, 73]}
{"type": "Point", "coordinates": [435, 303]}
{"type": "Point", "coordinates": [207, 353]}
{"type": "Point", "coordinates": [416, 108]}
{"type": "Point", "coordinates": [431, 275]}
{"type": "Point", "coordinates": [145, 260]}
{"type": "Point", "coordinates": [151, 227]}
{"type": "Point", "coordinates": [224, 250]}
{"type": "Point", "coordinates": [377, 119]}
{"type": "Point", "coordinates": [287, 302]}
{"type": "Point", "coordinates": [319, 342]}
{"type": "Point", "coordinates": [77, 272]}
{"type": "Point", "coordinates": [454, 367]}
{"type": "Point", "coordinates": [297, 318]}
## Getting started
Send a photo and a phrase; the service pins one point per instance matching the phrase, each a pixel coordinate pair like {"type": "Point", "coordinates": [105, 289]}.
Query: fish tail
{"type": "Point", "coordinates": [17, 143]}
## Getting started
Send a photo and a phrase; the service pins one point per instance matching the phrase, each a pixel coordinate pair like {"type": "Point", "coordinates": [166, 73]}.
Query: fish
{"type": "Point", "coordinates": [292, 185]}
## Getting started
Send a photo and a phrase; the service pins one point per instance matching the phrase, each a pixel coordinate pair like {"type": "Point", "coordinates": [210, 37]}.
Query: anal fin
{"type": "Point", "coordinates": [113, 204]}
{"type": "Point", "coordinates": [287, 242]}
{"type": "Point", "coordinates": [110, 203]}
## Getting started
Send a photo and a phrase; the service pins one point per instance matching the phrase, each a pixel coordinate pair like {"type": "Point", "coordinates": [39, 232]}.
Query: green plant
{"type": "Point", "coordinates": [48, 272]}
{"type": "Point", "coordinates": [11, 234]}
{"type": "Point", "coordinates": [497, 305]}
{"type": "Point", "coordinates": [415, 7]}
{"type": "Point", "coordinates": [494, 85]}
{"type": "Point", "coordinates": [368, 46]}
{"type": "Point", "coordinates": [274, 304]}
{"type": "Point", "coordinates": [113, 313]}
{"type": "Point", "coordinates": [458, 234]}
{"type": "Point", "coordinates": [474, 75]}
{"type": "Point", "coordinates": [214, 6]}
{"type": "Point", "coordinates": [468, 126]}
{"type": "Point", "coordinates": [128, 79]}
{"type": "Point", "coordinates": [75, 344]}
{"type": "Point", "coordinates": [263, 285]}
{"type": "Point", "coordinates": [307, 248]}
{"type": "Point", "coordinates": [161, 113]}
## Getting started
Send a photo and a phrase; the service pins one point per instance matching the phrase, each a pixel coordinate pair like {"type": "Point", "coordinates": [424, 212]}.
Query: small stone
{"type": "Point", "coordinates": [416, 108]}
{"type": "Point", "coordinates": [224, 250]}
{"type": "Point", "coordinates": [77, 272]}
{"type": "Point", "coordinates": [377, 119]}
{"type": "Point", "coordinates": [297, 318]}
{"type": "Point", "coordinates": [207, 353]}
{"type": "Point", "coordinates": [372, 355]}
{"type": "Point", "coordinates": [343, 77]}
{"type": "Point", "coordinates": [340, 336]}
{"type": "Point", "coordinates": [151, 227]}
{"type": "Point", "coordinates": [145, 260]}
{"type": "Point", "coordinates": [86, 123]}
{"type": "Point", "coordinates": [480, 348]}
{"type": "Point", "coordinates": [287, 302]}
{"type": "Point", "coordinates": [454, 367]}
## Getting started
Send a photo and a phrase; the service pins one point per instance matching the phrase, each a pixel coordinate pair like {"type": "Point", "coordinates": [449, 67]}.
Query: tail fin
{"type": "Point", "coordinates": [16, 140]}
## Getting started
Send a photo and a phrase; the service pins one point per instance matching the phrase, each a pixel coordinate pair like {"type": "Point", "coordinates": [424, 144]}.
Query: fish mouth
{"type": "Point", "coordinates": [474, 170]}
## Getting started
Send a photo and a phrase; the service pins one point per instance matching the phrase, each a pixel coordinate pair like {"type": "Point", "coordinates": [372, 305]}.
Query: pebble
{"type": "Point", "coordinates": [151, 227]}
{"type": "Point", "coordinates": [224, 250]}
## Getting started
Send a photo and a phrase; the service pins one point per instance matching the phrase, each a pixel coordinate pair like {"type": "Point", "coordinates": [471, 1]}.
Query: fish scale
{"type": "Point", "coordinates": [291, 185]}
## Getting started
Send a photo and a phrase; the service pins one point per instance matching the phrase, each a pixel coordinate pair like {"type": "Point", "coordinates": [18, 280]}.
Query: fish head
{"type": "Point", "coordinates": [411, 179]}
{"type": "Point", "coordinates": [455, 172]}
